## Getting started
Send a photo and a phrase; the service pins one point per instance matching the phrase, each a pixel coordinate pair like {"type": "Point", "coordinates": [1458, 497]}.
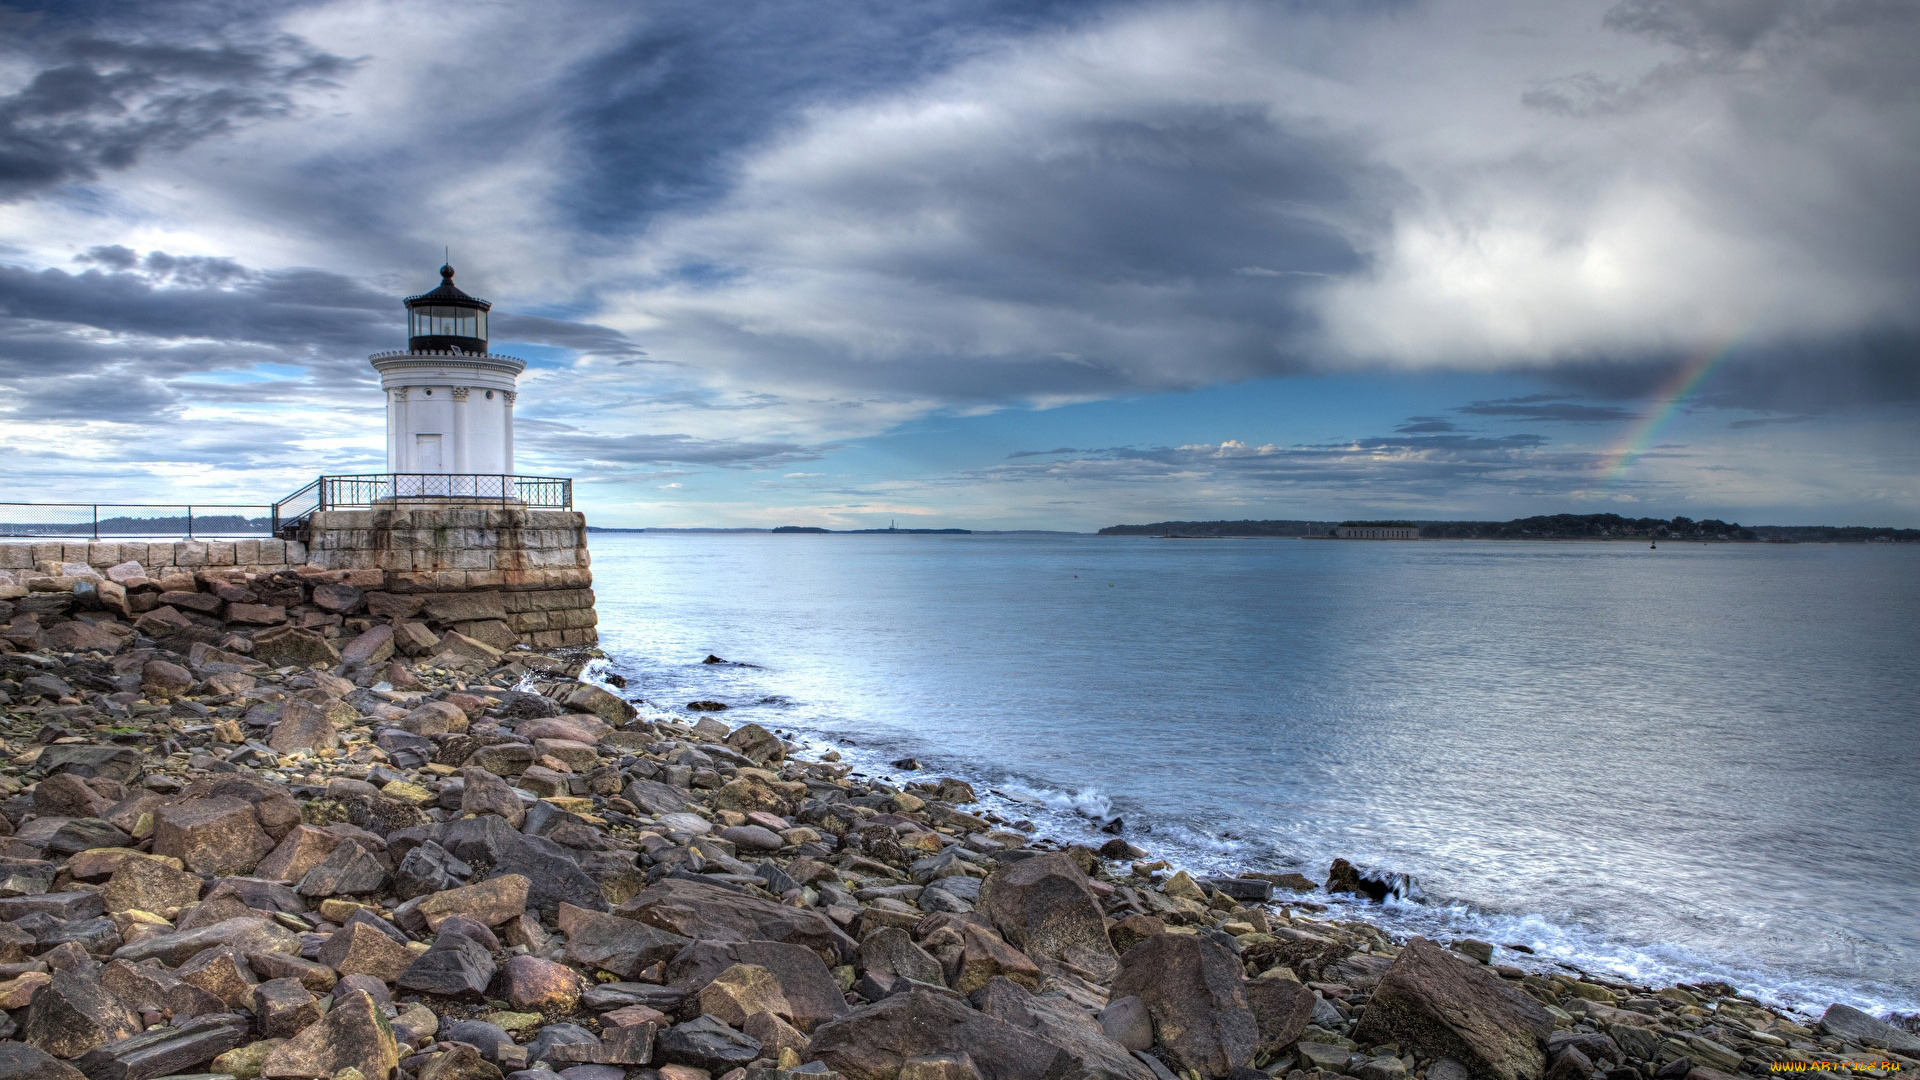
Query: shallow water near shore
{"type": "Point", "coordinates": [1672, 765]}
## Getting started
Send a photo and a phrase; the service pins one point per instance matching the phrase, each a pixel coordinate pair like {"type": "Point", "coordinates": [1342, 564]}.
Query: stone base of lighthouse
{"type": "Point", "coordinates": [499, 573]}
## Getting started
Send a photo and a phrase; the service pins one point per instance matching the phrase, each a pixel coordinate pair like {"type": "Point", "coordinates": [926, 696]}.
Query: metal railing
{"type": "Point", "coordinates": [355, 492]}
{"type": "Point", "coordinates": [159, 520]}
{"type": "Point", "coordinates": [136, 520]}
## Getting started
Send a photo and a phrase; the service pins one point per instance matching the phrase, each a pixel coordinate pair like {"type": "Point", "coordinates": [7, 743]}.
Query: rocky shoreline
{"type": "Point", "coordinates": [293, 852]}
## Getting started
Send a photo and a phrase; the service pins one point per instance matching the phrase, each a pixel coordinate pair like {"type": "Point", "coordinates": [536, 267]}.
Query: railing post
{"type": "Point", "coordinates": [189, 522]}
{"type": "Point", "coordinates": [96, 521]}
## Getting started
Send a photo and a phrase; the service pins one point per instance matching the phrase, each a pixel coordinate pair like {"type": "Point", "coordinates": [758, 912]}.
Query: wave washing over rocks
{"type": "Point", "coordinates": [262, 856]}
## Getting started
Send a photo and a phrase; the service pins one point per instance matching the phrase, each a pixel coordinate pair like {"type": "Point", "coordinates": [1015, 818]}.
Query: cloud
{"type": "Point", "coordinates": [99, 104]}
{"type": "Point", "coordinates": [626, 452]}
{"type": "Point", "coordinates": [1549, 408]}
{"type": "Point", "coordinates": [1425, 425]}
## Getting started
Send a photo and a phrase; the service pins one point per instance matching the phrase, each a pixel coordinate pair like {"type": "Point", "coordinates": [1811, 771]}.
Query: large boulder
{"type": "Point", "coordinates": [1850, 1023]}
{"type": "Point", "coordinates": [249, 935]}
{"type": "Point", "coordinates": [1437, 1004]}
{"type": "Point", "coordinates": [1194, 990]}
{"type": "Point", "coordinates": [812, 995]}
{"type": "Point", "coordinates": [625, 947]}
{"type": "Point", "coordinates": [1044, 907]}
{"type": "Point", "coordinates": [553, 874]}
{"type": "Point", "coordinates": [694, 909]}
{"type": "Point", "coordinates": [1088, 1052]}
{"type": "Point", "coordinates": [1282, 1009]}
{"type": "Point", "coordinates": [354, 1034]}
{"type": "Point", "coordinates": [218, 835]}
{"type": "Point", "coordinates": [74, 1013]}
{"type": "Point", "coordinates": [293, 647]}
{"type": "Point", "coordinates": [876, 1040]}
{"type": "Point", "coordinates": [19, 1061]}
{"type": "Point", "coordinates": [167, 1051]}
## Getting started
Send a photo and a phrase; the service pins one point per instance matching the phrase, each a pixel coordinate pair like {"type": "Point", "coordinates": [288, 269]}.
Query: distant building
{"type": "Point", "coordinates": [1377, 530]}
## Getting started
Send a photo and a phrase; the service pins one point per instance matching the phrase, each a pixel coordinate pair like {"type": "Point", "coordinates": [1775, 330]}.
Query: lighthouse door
{"type": "Point", "coordinates": [426, 454]}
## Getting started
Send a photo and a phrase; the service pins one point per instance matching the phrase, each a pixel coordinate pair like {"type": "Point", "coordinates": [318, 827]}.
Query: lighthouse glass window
{"type": "Point", "coordinates": [446, 322]}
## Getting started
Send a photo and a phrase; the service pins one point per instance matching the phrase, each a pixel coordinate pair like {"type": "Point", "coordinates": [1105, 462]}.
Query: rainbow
{"type": "Point", "coordinates": [1666, 402]}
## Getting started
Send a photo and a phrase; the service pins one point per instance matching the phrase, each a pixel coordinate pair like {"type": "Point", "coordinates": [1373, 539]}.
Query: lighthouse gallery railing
{"type": "Point", "coordinates": [355, 492]}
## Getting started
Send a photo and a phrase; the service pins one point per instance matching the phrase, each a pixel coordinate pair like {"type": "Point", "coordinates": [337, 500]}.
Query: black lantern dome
{"type": "Point", "coordinates": [446, 319]}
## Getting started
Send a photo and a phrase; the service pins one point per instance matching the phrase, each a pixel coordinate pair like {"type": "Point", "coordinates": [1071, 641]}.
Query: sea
{"type": "Point", "coordinates": [1700, 762]}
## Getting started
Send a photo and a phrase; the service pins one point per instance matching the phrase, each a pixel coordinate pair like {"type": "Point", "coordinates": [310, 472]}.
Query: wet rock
{"type": "Point", "coordinates": [625, 947]}
{"type": "Point", "coordinates": [283, 1008]}
{"type": "Point", "coordinates": [355, 1034]}
{"type": "Point", "coordinates": [166, 1051]}
{"type": "Point", "coordinates": [1088, 1054]}
{"type": "Point", "coordinates": [710, 912]}
{"type": "Point", "coordinates": [757, 743]}
{"type": "Point", "coordinates": [752, 838]}
{"type": "Point", "coordinates": [74, 1013]}
{"type": "Point", "coordinates": [359, 949]}
{"type": "Point", "coordinates": [1044, 907]}
{"type": "Point", "coordinates": [1344, 877]}
{"type": "Point", "coordinates": [1439, 1005]}
{"type": "Point", "coordinates": [217, 835]}
{"type": "Point", "coordinates": [1194, 990]}
{"type": "Point", "coordinates": [145, 884]}
{"type": "Point", "coordinates": [875, 1041]}
{"type": "Point", "coordinates": [1850, 1023]}
{"type": "Point", "coordinates": [705, 1043]}
{"type": "Point", "coordinates": [1281, 1008]}
{"type": "Point", "coordinates": [455, 967]}
{"type": "Point", "coordinates": [530, 982]}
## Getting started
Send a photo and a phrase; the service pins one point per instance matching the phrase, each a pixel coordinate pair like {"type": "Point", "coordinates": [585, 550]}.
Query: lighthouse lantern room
{"type": "Point", "coordinates": [449, 400]}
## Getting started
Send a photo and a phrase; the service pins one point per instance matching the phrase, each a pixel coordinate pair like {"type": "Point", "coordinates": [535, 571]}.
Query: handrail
{"type": "Point", "coordinates": [282, 517]}
{"type": "Point", "coordinates": [368, 489]}
{"type": "Point", "coordinates": [84, 519]}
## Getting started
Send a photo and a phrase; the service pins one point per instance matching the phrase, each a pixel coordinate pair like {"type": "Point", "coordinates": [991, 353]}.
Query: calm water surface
{"type": "Point", "coordinates": [1696, 762]}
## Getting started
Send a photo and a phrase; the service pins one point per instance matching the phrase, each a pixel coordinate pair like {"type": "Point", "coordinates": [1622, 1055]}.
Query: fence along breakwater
{"type": "Point", "coordinates": [493, 576]}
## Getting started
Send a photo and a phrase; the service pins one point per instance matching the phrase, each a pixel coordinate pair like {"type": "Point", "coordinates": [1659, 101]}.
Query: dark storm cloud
{"type": "Point", "coordinates": [97, 104]}
{"type": "Point", "coordinates": [665, 112]}
{"type": "Point", "coordinates": [1549, 408]}
{"type": "Point", "coordinates": [1811, 375]}
{"type": "Point", "coordinates": [121, 339]}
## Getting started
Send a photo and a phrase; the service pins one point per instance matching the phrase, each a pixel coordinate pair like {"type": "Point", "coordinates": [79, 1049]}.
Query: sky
{"type": "Point", "coordinates": [984, 263]}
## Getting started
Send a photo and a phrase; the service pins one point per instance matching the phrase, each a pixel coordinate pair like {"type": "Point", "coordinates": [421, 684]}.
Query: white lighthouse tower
{"type": "Point", "coordinates": [449, 400]}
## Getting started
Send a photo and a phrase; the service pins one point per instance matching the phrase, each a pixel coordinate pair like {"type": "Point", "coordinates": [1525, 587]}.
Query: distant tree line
{"type": "Point", "coordinates": [1546, 527]}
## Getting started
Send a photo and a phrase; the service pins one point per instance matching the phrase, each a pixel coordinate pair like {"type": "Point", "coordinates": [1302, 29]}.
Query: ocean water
{"type": "Point", "coordinates": [1674, 765]}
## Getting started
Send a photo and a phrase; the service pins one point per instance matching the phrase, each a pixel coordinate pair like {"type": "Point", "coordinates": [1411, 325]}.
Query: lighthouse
{"type": "Point", "coordinates": [449, 400]}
